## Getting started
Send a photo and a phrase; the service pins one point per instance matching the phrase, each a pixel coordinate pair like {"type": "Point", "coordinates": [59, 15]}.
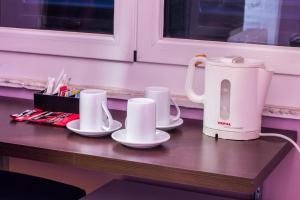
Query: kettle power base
{"type": "Point", "coordinates": [231, 135]}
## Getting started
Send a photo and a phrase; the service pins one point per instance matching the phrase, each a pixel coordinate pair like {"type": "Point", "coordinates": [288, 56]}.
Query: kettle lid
{"type": "Point", "coordinates": [236, 62]}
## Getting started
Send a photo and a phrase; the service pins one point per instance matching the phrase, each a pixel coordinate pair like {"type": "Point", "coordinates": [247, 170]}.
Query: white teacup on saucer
{"type": "Point", "coordinates": [163, 99]}
{"type": "Point", "coordinates": [140, 129]}
{"type": "Point", "coordinates": [95, 118]}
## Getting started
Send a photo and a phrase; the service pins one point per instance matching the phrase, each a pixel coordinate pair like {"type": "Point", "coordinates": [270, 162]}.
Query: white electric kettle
{"type": "Point", "coordinates": [234, 95]}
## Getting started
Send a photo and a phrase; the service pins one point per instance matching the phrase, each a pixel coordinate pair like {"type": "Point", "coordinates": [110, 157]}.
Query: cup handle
{"type": "Point", "coordinates": [108, 115]}
{"type": "Point", "coordinates": [177, 110]}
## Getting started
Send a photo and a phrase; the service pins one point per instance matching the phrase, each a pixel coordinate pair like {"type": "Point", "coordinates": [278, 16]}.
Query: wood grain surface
{"type": "Point", "coordinates": [189, 158]}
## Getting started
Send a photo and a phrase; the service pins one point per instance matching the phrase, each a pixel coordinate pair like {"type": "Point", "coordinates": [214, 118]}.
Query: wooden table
{"type": "Point", "coordinates": [189, 158]}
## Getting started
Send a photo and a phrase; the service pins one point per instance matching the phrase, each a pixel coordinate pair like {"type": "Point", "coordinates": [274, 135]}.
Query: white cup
{"type": "Point", "coordinates": [140, 122]}
{"type": "Point", "coordinates": [94, 114]}
{"type": "Point", "coordinates": [163, 99]}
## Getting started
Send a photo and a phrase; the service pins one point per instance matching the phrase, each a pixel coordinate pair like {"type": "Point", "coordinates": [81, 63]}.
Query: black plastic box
{"type": "Point", "coordinates": [56, 103]}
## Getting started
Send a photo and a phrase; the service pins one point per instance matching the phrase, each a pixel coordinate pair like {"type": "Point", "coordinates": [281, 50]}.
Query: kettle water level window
{"type": "Point", "coordinates": [267, 30]}
{"type": "Point", "coordinates": [100, 29]}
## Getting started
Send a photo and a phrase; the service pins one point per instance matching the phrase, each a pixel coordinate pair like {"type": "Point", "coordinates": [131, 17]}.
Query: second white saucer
{"type": "Point", "coordinates": [160, 137]}
{"type": "Point", "coordinates": [74, 126]}
{"type": "Point", "coordinates": [171, 126]}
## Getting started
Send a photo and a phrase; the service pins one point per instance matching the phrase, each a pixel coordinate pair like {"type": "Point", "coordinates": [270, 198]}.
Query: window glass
{"type": "Point", "coordinates": [273, 22]}
{"type": "Point", "coordinates": [92, 16]}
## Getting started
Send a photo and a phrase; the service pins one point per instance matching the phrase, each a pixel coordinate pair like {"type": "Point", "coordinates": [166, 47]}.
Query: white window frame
{"type": "Point", "coordinates": [153, 47]}
{"type": "Point", "coordinates": [119, 46]}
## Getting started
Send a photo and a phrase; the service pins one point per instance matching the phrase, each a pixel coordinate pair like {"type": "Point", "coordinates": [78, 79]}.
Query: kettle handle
{"type": "Point", "coordinates": [199, 59]}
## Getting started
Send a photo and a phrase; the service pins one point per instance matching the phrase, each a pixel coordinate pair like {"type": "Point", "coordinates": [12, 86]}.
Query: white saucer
{"type": "Point", "coordinates": [171, 126]}
{"type": "Point", "coordinates": [161, 137]}
{"type": "Point", "coordinates": [74, 126]}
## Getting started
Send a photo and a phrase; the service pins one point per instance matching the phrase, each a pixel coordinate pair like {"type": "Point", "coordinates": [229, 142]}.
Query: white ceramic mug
{"type": "Point", "coordinates": [163, 99]}
{"type": "Point", "coordinates": [94, 114]}
{"type": "Point", "coordinates": [140, 122]}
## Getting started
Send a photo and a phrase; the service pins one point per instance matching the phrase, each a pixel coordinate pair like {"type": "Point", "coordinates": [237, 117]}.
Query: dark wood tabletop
{"type": "Point", "coordinates": [189, 158]}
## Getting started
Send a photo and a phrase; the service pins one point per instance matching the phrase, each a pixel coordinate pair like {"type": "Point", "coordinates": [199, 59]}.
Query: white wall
{"type": "Point", "coordinates": [284, 91]}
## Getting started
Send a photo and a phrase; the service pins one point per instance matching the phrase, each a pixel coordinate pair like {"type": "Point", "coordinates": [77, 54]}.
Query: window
{"type": "Point", "coordinates": [63, 15]}
{"type": "Point", "coordinates": [173, 31]}
{"type": "Point", "coordinates": [80, 28]}
{"type": "Point", "coordinates": [203, 20]}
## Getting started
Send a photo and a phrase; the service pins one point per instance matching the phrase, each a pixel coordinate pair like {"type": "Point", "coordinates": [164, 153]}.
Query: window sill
{"type": "Point", "coordinates": [125, 94]}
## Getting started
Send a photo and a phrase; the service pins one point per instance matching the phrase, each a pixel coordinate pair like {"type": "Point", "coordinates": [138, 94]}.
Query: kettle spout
{"type": "Point", "coordinates": [264, 80]}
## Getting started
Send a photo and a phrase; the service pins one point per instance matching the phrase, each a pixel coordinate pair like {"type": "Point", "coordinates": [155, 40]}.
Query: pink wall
{"type": "Point", "coordinates": [282, 184]}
